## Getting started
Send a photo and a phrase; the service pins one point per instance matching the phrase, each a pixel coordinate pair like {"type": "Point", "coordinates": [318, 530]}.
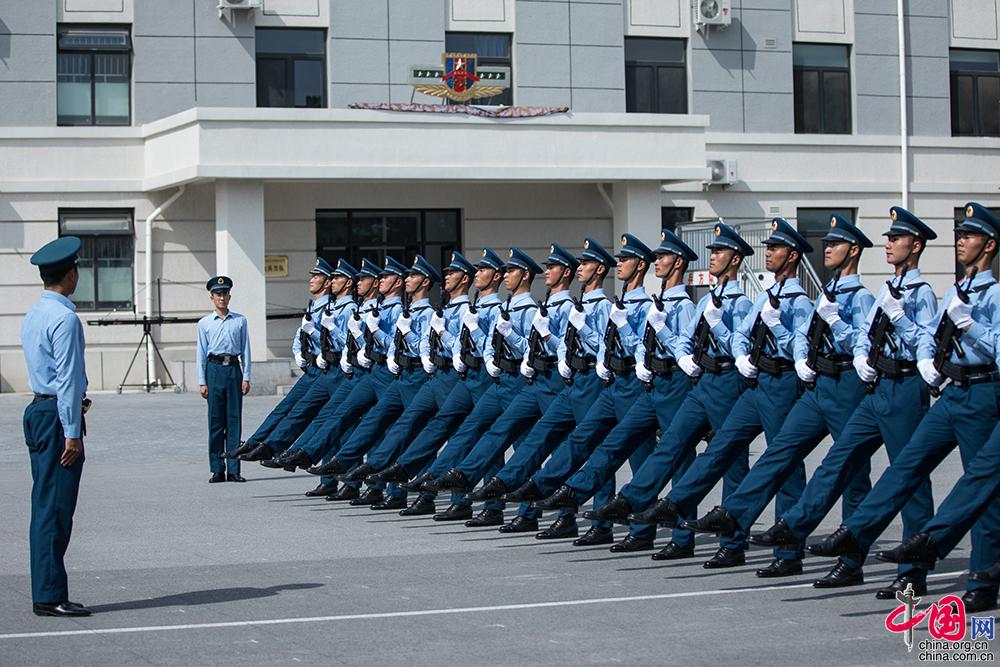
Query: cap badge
{"type": "Point", "coordinates": [892, 214]}
{"type": "Point", "coordinates": [317, 261]}
{"type": "Point", "coordinates": [774, 225]}
{"type": "Point", "coordinates": [833, 222]}
{"type": "Point", "coordinates": [484, 252]}
{"type": "Point", "coordinates": [718, 230]}
{"type": "Point", "coordinates": [221, 281]}
{"type": "Point", "coordinates": [969, 212]}
{"type": "Point", "coordinates": [415, 261]}
{"type": "Point", "coordinates": [624, 240]}
{"type": "Point", "coordinates": [510, 253]}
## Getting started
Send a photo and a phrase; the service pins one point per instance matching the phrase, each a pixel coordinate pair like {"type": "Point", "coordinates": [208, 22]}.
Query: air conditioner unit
{"type": "Point", "coordinates": [238, 4]}
{"type": "Point", "coordinates": [723, 172]}
{"type": "Point", "coordinates": [713, 12]}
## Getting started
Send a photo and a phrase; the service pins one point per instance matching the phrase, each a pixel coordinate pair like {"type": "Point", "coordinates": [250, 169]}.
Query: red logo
{"type": "Point", "coordinates": [945, 618]}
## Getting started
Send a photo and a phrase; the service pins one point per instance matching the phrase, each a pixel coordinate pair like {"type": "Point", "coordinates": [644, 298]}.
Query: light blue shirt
{"type": "Point", "coordinates": [736, 308]}
{"type": "Point", "coordinates": [558, 307]}
{"type": "Point", "coordinates": [522, 312]}
{"type": "Point", "coordinates": [637, 303]}
{"type": "Point", "coordinates": [421, 312]}
{"type": "Point", "coordinates": [596, 308]}
{"type": "Point", "coordinates": [979, 342]}
{"type": "Point", "coordinates": [52, 339]}
{"type": "Point", "coordinates": [854, 302]}
{"type": "Point", "coordinates": [315, 313]}
{"type": "Point", "coordinates": [795, 309]}
{"type": "Point", "coordinates": [388, 313]}
{"type": "Point", "coordinates": [366, 307]}
{"type": "Point", "coordinates": [453, 312]}
{"type": "Point", "coordinates": [919, 307]}
{"type": "Point", "coordinates": [223, 335]}
{"type": "Point", "coordinates": [487, 311]}
{"type": "Point", "coordinates": [680, 309]}
{"type": "Point", "coordinates": [341, 312]}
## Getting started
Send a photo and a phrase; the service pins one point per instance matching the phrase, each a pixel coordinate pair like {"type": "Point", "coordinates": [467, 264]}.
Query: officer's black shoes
{"type": "Point", "coordinates": [345, 493]}
{"type": "Point", "coordinates": [519, 524]}
{"type": "Point", "coordinates": [595, 536]}
{"type": "Point", "coordinates": [630, 544]}
{"type": "Point", "coordinates": [564, 526]}
{"type": "Point", "coordinates": [840, 576]}
{"type": "Point", "coordinates": [841, 543]}
{"type": "Point", "coordinates": [293, 459]}
{"type": "Point", "coordinates": [674, 551]}
{"type": "Point", "coordinates": [65, 609]}
{"type": "Point", "coordinates": [369, 497]}
{"type": "Point", "coordinates": [358, 474]}
{"type": "Point", "coordinates": [235, 477]}
{"type": "Point", "coordinates": [990, 575]}
{"type": "Point", "coordinates": [980, 599]}
{"type": "Point", "coordinates": [453, 480]}
{"type": "Point", "coordinates": [258, 453]}
{"type": "Point", "coordinates": [777, 535]}
{"type": "Point", "coordinates": [726, 557]}
{"type": "Point", "coordinates": [454, 513]}
{"type": "Point", "coordinates": [563, 499]}
{"type": "Point", "coordinates": [322, 490]}
{"type": "Point", "coordinates": [417, 483]}
{"type": "Point", "coordinates": [390, 503]}
{"type": "Point", "coordinates": [217, 477]}
{"type": "Point", "coordinates": [394, 473]}
{"type": "Point", "coordinates": [491, 490]}
{"type": "Point", "coordinates": [328, 469]}
{"type": "Point", "coordinates": [244, 448]}
{"type": "Point", "coordinates": [419, 507]}
{"type": "Point", "coordinates": [663, 512]}
{"type": "Point", "coordinates": [781, 567]}
{"type": "Point", "coordinates": [486, 518]}
{"type": "Point", "coordinates": [271, 463]}
{"type": "Point", "coordinates": [719, 521]}
{"type": "Point", "coordinates": [527, 492]}
{"type": "Point", "coordinates": [617, 509]}
{"type": "Point", "coordinates": [918, 550]}
{"type": "Point", "coordinates": [899, 584]}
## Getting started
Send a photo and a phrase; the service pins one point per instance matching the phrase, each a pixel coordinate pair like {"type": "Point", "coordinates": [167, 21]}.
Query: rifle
{"type": "Point", "coordinates": [761, 333]}
{"type": "Point", "coordinates": [467, 345]}
{"type": "Point", "coordinates": [501, 350]}
{"type": "Point", "coordinates": [819, 331]}
{"type": "Point", "coordinates": [703, 338]}
{"type": "Point", "coordinates": [536, 346]}
{"type": "Point", "coordinates": [369, 335]}
{"type": "Point", "coordinates": [434, 339]}
{"type": "Point", "coordinates": [573, 339]}
{"type": "Point", "coordinates": [398, 340]}
{"type": "Point", "coordinates": [880, 332]}
{"type": "Point", "coordinates": [947, 337]}
{"type": "Point", "coordinates": [325, 344]}
{"type": "Point", "coordinates": [352, 343]}
{"type": "Point", "coordinates": [650, 342]}
{"type": "Point", "coordinates": [305, 342]}
{"type": "Point", "coordinates": [611, 338]}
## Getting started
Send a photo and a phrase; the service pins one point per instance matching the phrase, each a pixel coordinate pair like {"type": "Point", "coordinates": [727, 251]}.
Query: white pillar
{"type": "Point", "coordinates": [637, 211]}
{"type": "Point", "coordinates": [239, 253]}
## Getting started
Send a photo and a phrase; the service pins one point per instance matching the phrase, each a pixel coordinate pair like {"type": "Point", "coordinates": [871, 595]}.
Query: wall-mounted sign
{"type": "Point", "coordinates": [459, 78]}
{"type": "Point", "coordinates": [276, 266]}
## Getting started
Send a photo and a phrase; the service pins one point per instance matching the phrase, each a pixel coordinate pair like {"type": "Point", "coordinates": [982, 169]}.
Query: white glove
{"type": "Point", "coordinates": [363, 359]}
{"type": "Point", "coordinates": [437, 323]}
{"type": "Point", "coordinates": [805, 373]}
{"type": "Point", "coordinates": [619, 316]}
{"type": "Point", "coordinates": [300, 361]}
{"type": "Point", "coordinates": [308, 326]}
{"type": "Point", "coordinates": [428, 365]}
{"type": "Point", "coordinates": [892, 307]}
{"type": "Point", "coordinates": [828, 311]}
{"type": "Point", "coordinates": [770, 315]}
{"type": "Point", "coordinates": [404, 323]}
{"type": "Point", "coordinates": [354, 326]}
{"type": "Point", "coordinates": [603, 372]}
{"type": "Point", "coordinates": [564, 369]}
{"type": "Point", "coordinates": [541, 325]}
{"type": "Point", "coordinates": [745, 368]}
{"type": "Point", "coordinates": [656, 319]}
{"type": "Point", "coordinates": [526, 370]}
{"type": "Point", "coordinates": [321, 363]}
{"type": "Point", "coordinates": [712, 313]}
{"type": "Point", "coordinates": [690, 368]}
{"type": "Point", "coordinates": [329, 322]}
{"type": "Point", "coordinates": [456, 361]}
{"type": "Point", "coordinates": [865, 372]}
{"type": "Point", "coordinates": [492, 369]}
{"type": "Point", "coordinates": [643, 373]}
{"type": "Point", "coordinates": [960, 313]}
{"type": "Point", "coordinates": [470, 321]}
{"type": "Point", "coordinates": [372, 321]}
{"type": "Point", "coordinates": [345, 365]}
{"type": "Point", "coordinates": [928, 372]}
{"type": "Point", "coordinates": [393, 367]}
{"type": "Point", "coordinates": [577, 318]}
{"type": "Point", "coordinates": [504, 326]}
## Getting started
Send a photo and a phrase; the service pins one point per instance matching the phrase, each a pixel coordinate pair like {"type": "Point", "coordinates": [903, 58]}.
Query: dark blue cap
{"type": "Point", "coordinates": [904, 222]}
{"type": "Point", "coordinates": [345, 269]}
{"type": "Point", "coordinates": [368, 268]}
{"type": "Point", "coordinates": [559, 255]}
{"type": "Point", "coordinates": [593, 251]}
{"type": "Point", "coordinates": [460, 263]}
{"type": "Point", "coordinates": [62, 253]}
{"type": "Point", "coordinates": [219, 284]}
{"type": "Point", "coordinates": [426, 269]}
{"type": "Point", "coordinates": [842, 229]}
{"type": "Point", "coordinates": [517, 259]}
{"type": "Point", "coordinates": [782, 233]}
{"type": "Point", "coordinates": [727, 237]}
{"type": "Point", "coordinates": [633, 247]}
{"type": "Point", "coordinates": [394, 268]}
{"type": "Point", "coordinates": [979, 220]}
{"type": "Point", "coordinates": [671, 243]}
{"type": "Point", "coordinates": [490, 260]}
{"type": "Point", "coordinates": [322, 267]}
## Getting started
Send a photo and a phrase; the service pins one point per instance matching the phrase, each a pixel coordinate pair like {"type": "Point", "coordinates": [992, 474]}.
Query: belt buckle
{"type": "Point", "coordinates": [225, 360]}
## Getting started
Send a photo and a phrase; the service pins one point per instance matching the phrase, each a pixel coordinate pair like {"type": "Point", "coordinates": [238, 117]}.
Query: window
{"type": "Point", "coordinates": [93, 76]}
{"type": "Point", "coordinates": [354, 234]}
{"type": "Point", "coordinates": [106, 258]}
{"type": "Point", "coordinates": [655, 75]}
{"type": "Point", "coordinates": [814, 223]}
{"type": "Point", "coordinates": [492, 50]}
{"type": "Point", "coordinates": [821, 76]}
{"type": "Point", "coordinates": [673, 216]}
{"type": "Point", "coordinates": [959, 269]}
{"type": "Point", "coordinates": [291, 68]}
{"type": "Point", "coordinates": [975, 93]}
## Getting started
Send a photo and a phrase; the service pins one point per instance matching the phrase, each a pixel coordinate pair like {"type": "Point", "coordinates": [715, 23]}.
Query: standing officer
{"type": "Point", "coordinates": [52, 339]}
{"type": "Point", "coordinates": [223, 377]}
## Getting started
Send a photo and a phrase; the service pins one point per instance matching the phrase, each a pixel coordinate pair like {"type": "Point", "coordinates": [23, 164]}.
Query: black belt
{"type": "Point", "coordinates": [42, 397]}
{"type": "Point", "coordinates": [620, 365]}
{"type": "Point", "coordinates": [969, 375]}
{"type": "Point", "coordinates": [332, 357]}
{"type": "Point", "coordinates": [543, 363]}
{"type": "Point", "coordinates": [716, 365]}
{"type": "Point", "coordinates": [582, 364]}
{"type": "Point", "coordinates": [441, 362]}
{"type": "Point", "coordinates": [831, 365]}
{"type": "Point", "coordinates": [377, 357]}
{"type": "Point", "coordinates": [662, 367]}
{"type": "Point", "coordinates": [472, 361]}
{"type": "Point", "coordinates": [409, 363]}
{"type": "Point", "coordinates": [508, 366]}
{"type": "Point", "coordinates": [774, 365]}
{"type": "Point", "coordinates": [224, 359]}
{"type": "Point", "coordinates": [895, 368]}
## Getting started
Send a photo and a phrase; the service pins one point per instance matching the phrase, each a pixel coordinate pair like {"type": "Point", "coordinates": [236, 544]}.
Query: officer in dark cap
{"type": "Point", "coordinates": [897, 399]}
{"type": "Point", "coordinates": [223, 377]}
{"type": "Point", "coordinates": [53, 344]}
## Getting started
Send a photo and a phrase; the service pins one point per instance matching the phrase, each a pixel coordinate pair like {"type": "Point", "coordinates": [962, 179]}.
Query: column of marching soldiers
{"type": "Point", "coordinates": [411, 398]}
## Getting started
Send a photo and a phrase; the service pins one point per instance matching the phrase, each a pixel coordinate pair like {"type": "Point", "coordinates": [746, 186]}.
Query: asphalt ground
{"type": "Point", "coordinates": [178, 571]}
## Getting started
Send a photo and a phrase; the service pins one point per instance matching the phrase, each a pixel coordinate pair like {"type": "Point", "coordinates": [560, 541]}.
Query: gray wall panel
{"type": "Point", "coordinates": [27, 58]}
{"type": "Point", "coordinates": [598, 67]}
{"type": "Point", "coordinates": [416, 19]}
{"type": "Point", "coordinates": [876, 115]}
{"type": "Point", "coordinates": [930, 116]}
{"type": "Point", "coordinates": [405, 54]}
{"type": "Point", "coordinates": [538, 65]}
{"type": "Point", "coordinates": [767, 71]}
{"type": "Point", "coordinates": [31, 103]}
{"type": "Point", "coordinates": [716, 70]}
{"type": "Point", "coordinates": [542, 22]}
{"type": "Point", "coordinates": [596, 24]}
{"type": "Point", "coordinates": [725, 109]}
{"type": "Point", "coordinates": [358, 61]}
{"type": "Point", "coordinates": [163, 59]}
{"type": "Point", "coordinates": [599, 101]}
{"type": "Point", "coordinates": [226, 60]}
{"type": "Point", "coordinates": [227, 95]}
{"type": "Point", "coordinates": [769, 112]}
{"type": "Point", "coordinates": [157, 100]}
{"type": "Point", "coordinates": [359, 18]}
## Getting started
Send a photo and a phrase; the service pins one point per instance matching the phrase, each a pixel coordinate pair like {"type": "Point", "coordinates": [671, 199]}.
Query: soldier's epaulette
{"type": "Point", "coordinates": [849, 290]}
{"type": "Point", "coordinates": [517, 309]}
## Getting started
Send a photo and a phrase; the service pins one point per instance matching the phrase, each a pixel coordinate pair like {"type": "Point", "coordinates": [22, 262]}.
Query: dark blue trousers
{"type": "Point", "coordinates": [225, 414]}
{"type": "Point", "coordinates": [962, 416]}
{"type": "Point", "coordinates": [279, 412]}
{"type": "Point", "coordinates": [305, 410]}
{"type": "Point", "coordinates": [53, 500]}
{"type": "Point", "coordinates": [312, 441]}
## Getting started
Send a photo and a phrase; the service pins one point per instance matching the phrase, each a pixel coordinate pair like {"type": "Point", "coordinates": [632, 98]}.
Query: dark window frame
{"type": "Point", "coordinates": [289, 60]}
{"type": "Point", "coordinates": [90, 239]}
{"type": "Point", "coordinates": [506, 98]}
{"type": "Point", "coordinates": [956, 73]}
{"type": "Point", "coordinates": [799, 71]}
{"type": "Point", "coordinates": [655, 93]}
{"type": "Point", "coordinates": [672, 217]}
{"type": "Point", "coordinates": [95, 50]}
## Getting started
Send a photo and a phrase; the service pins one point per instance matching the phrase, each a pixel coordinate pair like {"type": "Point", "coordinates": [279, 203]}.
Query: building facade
{"type": "Point", "coordinates": [181, 140]}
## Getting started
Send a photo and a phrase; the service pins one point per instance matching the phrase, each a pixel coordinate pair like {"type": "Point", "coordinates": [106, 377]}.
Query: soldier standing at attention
{"type": "Point", "coordinates": [52, 339]}
{"type": "Point", "coordinates": [223, 377]}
